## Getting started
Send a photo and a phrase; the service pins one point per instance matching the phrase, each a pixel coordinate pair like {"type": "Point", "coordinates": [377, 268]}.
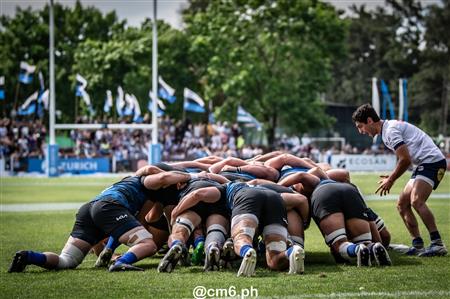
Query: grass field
{"type": "Point", "coordinates": [48, 231]}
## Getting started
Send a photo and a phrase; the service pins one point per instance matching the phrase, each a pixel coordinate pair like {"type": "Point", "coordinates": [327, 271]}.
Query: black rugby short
{"type": "Point", "coordinates": [267, 205]}
{"type": "Point", "coordinates": [333, 198]}
{"type": "Point", "coordinates": [97, 220]}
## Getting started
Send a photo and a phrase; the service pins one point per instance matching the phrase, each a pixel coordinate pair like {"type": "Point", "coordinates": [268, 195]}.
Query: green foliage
{"type": "Point", "coordinates": [26, 38]}
{"type": "Point", "coordinates": [406, 41]}
{"type": "Point", "coordinates": [273, 58]}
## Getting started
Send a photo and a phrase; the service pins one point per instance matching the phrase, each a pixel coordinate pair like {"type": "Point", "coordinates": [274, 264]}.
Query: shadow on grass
{"type": "Point", "coordinates": [399, 259]}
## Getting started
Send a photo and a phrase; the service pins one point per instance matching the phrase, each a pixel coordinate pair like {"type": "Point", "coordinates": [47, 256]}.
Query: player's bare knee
{"type": "Point", "coordinates": [417, 203]}
{"type": "Point", "coordinates": [403, 207]}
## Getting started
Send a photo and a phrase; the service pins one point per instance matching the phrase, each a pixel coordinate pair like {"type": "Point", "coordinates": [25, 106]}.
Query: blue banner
{"type": "Point", "coordinates": [52, 163]}
{"type": "Point", "coordinates": [72, 165]}
{"type": "Point", "coordinates": [155, 153]}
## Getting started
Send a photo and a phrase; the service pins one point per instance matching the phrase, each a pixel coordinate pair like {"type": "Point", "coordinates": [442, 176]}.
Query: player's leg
{"type": "Point", "coordinates": [278, 256]}
{"type": "Point", "coordinates": [359, 232]}
{"type": "Point", "coordinates": [420, 192]}
{"type": "Point", "coordinates": [295, 228]}
{"type": "Point", "coordinates": [84, 235]}
{"type": "Point", "coordinates": [141, 246]}
{"type": "Point", "coordinates": [71, 256]}
{"type": "Point", "coordinates": [198, 254]}
{"type": "Point", "coordinates": [333, 229]}
{"type": "Point", "coordinates": [216, 233]}
{"type": "Point", "coordinates": [181, 231]}
{"type": "Point", "coordinates": [405, 210]}
{"type": "Point", "coordinates": [243, 228]}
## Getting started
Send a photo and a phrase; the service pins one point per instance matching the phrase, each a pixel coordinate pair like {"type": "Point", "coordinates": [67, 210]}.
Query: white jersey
{"type": "Point", "coordinates": [420, 146]}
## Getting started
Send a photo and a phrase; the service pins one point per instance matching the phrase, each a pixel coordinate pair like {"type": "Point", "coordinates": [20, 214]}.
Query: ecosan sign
{"type": "Point", "coordinates": [364, 162]}
{"type": "Point", "coordinates": [75, 166]}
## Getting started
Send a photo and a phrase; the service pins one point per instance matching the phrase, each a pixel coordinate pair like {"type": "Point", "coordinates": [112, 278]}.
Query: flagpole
{"type": "Point", "coordinates": [184, 110]}
{"type": "Point", "coordinates": [52, 77]}
{"type": "Point", "coordinates": [154, 152]}
{"type": "Point", "coordinates": [14, 108]}
{"type": "Point", "coordinates": [52, 154]}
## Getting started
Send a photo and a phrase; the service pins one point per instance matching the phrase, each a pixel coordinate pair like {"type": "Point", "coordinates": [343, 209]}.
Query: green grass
{"type": "Point", "coordinates": [48, 231]}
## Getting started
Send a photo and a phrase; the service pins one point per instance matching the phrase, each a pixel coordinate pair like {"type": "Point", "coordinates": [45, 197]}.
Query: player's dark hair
{"type": "Point", "coordinates": [363, 112]}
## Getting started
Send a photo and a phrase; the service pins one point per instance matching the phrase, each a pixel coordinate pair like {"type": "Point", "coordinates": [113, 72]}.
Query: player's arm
{"type": "Point", "coordinates": [165, 179]}
{"type": "Point", "coordinates": [217, 177]}
{"type": "Point", "coordinates": [145, 209]}
{"type": "Point", "coordinates": [296, 201]}
{"type": "Point", "coordinates": [155, 213]}
{"type": "Point", "coordinates": [260, 182]}
{"type": "Point", "coordinates": [300, 177]}
{"type": "Point", "coordinates": [191, 164]}
{"type": "Point", "coordinates": [207, 194]}
{"type": "Point", "coordinates": [217, 167]}
{"type": "Point", "coordinates": [403, 162]}
{"type": "Point", "coordinates": [148, 170]}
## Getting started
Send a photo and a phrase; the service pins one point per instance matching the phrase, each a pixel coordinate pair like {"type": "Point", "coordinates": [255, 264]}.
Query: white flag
{"type": "Point", "coordinates": [375, 96]}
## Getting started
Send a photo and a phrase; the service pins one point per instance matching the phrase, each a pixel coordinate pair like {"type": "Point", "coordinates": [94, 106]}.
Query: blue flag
{"type": "Point", "coordinates": [387, 100]}
{"type": "Point", "coordinates": [2, 87]}
{"type": "Point", "coordinates": [80, 91]}
{"type": "Point", "coordinates": [29, 106]}
{"type": "Point", "coordinates": [136, 110]}
{"type": "Point", "coordinates": [245, 117]}
{"type": "Point", "coordinates": [128, 108]}
{"type": "Point", "coordinates": [193, 102]}
{"type": "Point", "coordinates": [26, 72]}
{"type": "Point", "coordinates": [160, 105]}
{"type": "Point", "coordinates": [165, 91]}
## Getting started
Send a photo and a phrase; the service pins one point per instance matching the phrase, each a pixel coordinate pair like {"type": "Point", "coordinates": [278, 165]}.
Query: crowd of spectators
{"type": "Point", "coordinates": [180, 140]}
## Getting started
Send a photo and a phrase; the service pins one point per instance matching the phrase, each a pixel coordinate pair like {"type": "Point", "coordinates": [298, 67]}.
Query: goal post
{"type": "Point", "coordinates": [154, 150]}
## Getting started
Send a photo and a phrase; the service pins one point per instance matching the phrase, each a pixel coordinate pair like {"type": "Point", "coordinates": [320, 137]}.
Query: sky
{"type": "Point", "coordinates": [135, 11]}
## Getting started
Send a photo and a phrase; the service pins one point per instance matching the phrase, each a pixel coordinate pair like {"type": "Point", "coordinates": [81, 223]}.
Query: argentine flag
{"type": "Point", "coordinates": [161, 107]}
{"type": "Point", "coordinates": [129, 105]}
{"type": "Point", "coordinates": [120, 101]}
{"type": "Point", "coordinates": [193, 102]}
{"type": "Point", "coordinates": [136, 109]}
{"type": "Point", "coordinates": [108, 101]}
{"type": "Point", "coordinates": [245, 117]}
{"type": "Point", "coordinates": [81, 92]}
{"type": "Point", "coordinates": [29, 107]}
{"type": "Point", "coordinates": [26, 72]}
{"type": "Point", "coordinates": [165, 91]}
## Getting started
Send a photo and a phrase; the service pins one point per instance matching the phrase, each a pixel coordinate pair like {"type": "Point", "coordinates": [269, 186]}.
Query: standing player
{"type": "Point", "coordinates": [411, 145]}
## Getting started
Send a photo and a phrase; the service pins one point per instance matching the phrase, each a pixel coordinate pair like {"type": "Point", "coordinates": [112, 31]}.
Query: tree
{"type": "Point", "coordinates": [407, 42]}
{"type": "Point", "coordinates": [26, 37]}
{"type": "Point", "coordinates": [125, 60]}
{"type": "Point", "coordinates": [274, 58]}
{"type": "Point", "coordinates": [431, 85]}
